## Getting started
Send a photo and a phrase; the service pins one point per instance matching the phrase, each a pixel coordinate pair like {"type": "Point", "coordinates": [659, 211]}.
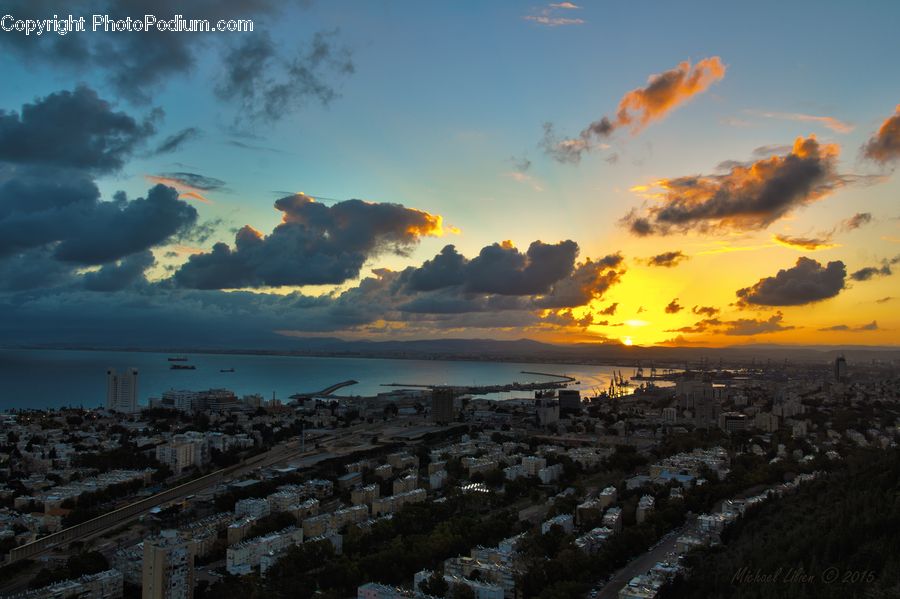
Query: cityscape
{"type": "Point", "coordinates": [597, 301]}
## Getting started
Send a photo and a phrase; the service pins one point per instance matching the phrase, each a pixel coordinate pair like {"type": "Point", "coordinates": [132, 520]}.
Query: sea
{"type": "Point", "coordinates": [42, 379]}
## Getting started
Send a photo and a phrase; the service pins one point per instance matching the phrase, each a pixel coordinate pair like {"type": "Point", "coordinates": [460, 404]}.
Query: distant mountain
{"type": "Point", "coordinates": [529, 350]}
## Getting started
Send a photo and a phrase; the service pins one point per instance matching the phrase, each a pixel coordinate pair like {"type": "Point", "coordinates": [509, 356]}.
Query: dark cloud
{"type": "Point", "coordinates": [667, 259]}
{"type": "Point", "coordinates": [746, 198]}
{"type": "Point", "coordinates": [202, 232]}
{"type": "Point", "coordinates": [71, 129]}
{"type": "Point", "coordinates": [804, 283]}
{"type": "Point", "coordinates": [177, 140]}
{"type": "Point", "coordinates": [116, 276]}
{"type": "Point", "coordinates": [663, 93]}
{"type": "Point", "coordinates": [116, 229]}
{"type": "Point", "coordinates": [869, 272]}
{"type": "Point", "coordinates": [749, 326]}
{"type": "Point", "coordinates": [268, 86]}
{"type": "Point", "coordinates": [674, 307]}
{"type": "Point", "coordinates": [884, 300]}
{"type": "Point", "coordinates": [135, 64]}
{"type": "Point", "coordinates": [702, 326]}
{"type": "Point", "coordinates": [872, 326]}
{"type": "Point", "coordinates": [864, 274]}
{"type": "Point", "coordinates": [589, 281]}
{"type": "Point", "coordinates": [164, 314]}
{"type": "Point", "coordinates": [444, 270]}
{"type": "Point", "coordinates": [546, 270]}
{"type": "Point", "coordinates": [33, 269]}
{"type": "Point", "coordinates": [38, 208]}
{"type": "Point", "coordinates": [610, 310]}
{"type": "Point", "coordinates": [503, 269]}
{"type": "Point", "coordinates": [314, 244]}
{"type": "Point", "coordinates": [884, 145]}
{"type": "Point", "coordinates": [739, 327]}
{"type": "Point", "coordinates": [201, 182]}
{"type": "Point", "coordinates": [856, 221]}
{"type": "Point", "coordinates": [705, 310]}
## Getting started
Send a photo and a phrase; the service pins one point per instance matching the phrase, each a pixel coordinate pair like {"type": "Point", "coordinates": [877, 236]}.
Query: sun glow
{"type": "Point", "coordinates": [628, 341]}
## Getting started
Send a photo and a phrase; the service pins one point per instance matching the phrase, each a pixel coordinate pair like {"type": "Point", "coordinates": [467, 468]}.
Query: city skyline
{"type": "Point", "coordinates": [499, 171]}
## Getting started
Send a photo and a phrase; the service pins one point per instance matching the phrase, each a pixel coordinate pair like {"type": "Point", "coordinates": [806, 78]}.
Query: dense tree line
{"type": "Point", "coordinates": [843, 525]}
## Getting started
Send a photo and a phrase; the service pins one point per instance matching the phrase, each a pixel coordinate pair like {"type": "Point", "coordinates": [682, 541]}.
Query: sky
{"type": "Point", "coordinates": [646, 173]}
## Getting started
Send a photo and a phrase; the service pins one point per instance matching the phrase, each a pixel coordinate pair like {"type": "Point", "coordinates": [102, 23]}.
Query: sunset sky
{"type": "Point", "coordinates": [650, 173]}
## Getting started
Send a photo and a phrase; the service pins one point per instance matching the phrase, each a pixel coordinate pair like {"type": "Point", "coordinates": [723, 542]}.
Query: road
{"type": "Point", "coordinates": [640, 565]}
{"type": "Point", "coordinates": [338, 443]}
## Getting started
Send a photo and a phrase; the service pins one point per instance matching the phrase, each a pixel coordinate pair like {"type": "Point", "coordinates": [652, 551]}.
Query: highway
{"type": "Point", "coordinates": [283, 453]}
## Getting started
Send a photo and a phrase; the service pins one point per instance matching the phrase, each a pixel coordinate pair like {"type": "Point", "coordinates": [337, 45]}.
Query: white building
{"type": "Point", "coordinates": [253, 508]}
{"type": "Point", "coordinates": [246, 555]}
{"type": "Point", "coordinates": [122, 391]}
{"type": "Point", "coordinates": [564, 521]}
{"type": "Point", "coordinates": [168, 571]}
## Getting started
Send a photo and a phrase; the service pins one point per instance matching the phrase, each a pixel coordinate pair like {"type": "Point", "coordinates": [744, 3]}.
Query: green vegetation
{"type": "Point", "coordinates": [844, 525]}
{"type": "Point", "coordinates": [419, 536]}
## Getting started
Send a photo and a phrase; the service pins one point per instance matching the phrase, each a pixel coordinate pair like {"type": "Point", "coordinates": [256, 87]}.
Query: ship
{"type": "Point", "coordinates": [227, 370]}
{"type": "Point", "coordinates": [183, 367]}
{"type": "Point", "coordinates": [177, 359]}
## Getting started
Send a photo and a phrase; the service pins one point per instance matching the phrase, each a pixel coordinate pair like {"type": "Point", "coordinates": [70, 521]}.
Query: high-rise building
{"type": "Point", "coordinates": [122, 390]}
{"type": "Point", "coordinates": [443, 410]}
{"type": "Point", "coordinates": [168, 568]}
{"type": "Point", "coordinates": [840, 369]}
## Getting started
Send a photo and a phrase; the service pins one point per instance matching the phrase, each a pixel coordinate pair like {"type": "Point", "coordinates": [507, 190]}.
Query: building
{"type": "Point", "coordinates": [670, 415]}
{"type": "Point", "coordinates": [168, 568]}
{"type": "Point", "coordinates": [533, 464]}
{"type": "Point", "coordinates": [608, 496]}
{"type": "Point", "coordinates": [180, 399]}
{"type": "Point", "coordinates": [102, 585]}
{"type": "Point", "coordinates": [443, 410]}
{"type": "Point", "coordinates": [569, 400]}
{"type": "Point", "coordinates": [564, 521]}
{"type": "Point", "coordinates": [178, 456]}
{"type": "Point", "coordinates": [840, 369]}
{"type": "Point", "coordinates": [547, 411]}
{"type": "Point", "coordinates": [730, 422]}
{"type": "Point", "coordinates": [244, 556]}
{"type": "Point", "coordinates": [645, 506]}
{"type": "Point", "coordinates": [588, 511]}
{"type": "Point", "coordinates": [612, 519]}
{"type": "Point", "coordinates": [706, 410]}
{"type": "Point", "coordinates": [253, 507]}
{"type": "Point", "coordinates": [122, 390]}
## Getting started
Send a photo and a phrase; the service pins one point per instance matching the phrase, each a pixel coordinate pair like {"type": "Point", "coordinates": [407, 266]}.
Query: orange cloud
{"type": "Point", "coordinates": [884, 146]}
{"type": "Point", "coordinates": [667, 90]}
{"type": "Point", "coordinates": [804, 243]}
{"type": "Point", "coordinates": [184, 190]}
{"type": "Point", "coordinates": [750, 196]}
{"type": "Point", "coordinates": [663, 93]}
{"type": "Point", "coordinates": [195, 196]}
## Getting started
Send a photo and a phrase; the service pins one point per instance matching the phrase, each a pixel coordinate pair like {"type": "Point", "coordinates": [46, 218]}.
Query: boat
{"type": "Point", "coordinates": [177, 359]}
{"type": "Point", "coordinates": [227, 370]}
{"type": "Point", "coordinates": [183, 367]}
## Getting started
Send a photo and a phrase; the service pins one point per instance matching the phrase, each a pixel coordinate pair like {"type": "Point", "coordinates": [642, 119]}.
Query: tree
{"type": "Point", "coordinates": [435, 585]}
{"type": "Point", "coordinates": [461, 591]}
